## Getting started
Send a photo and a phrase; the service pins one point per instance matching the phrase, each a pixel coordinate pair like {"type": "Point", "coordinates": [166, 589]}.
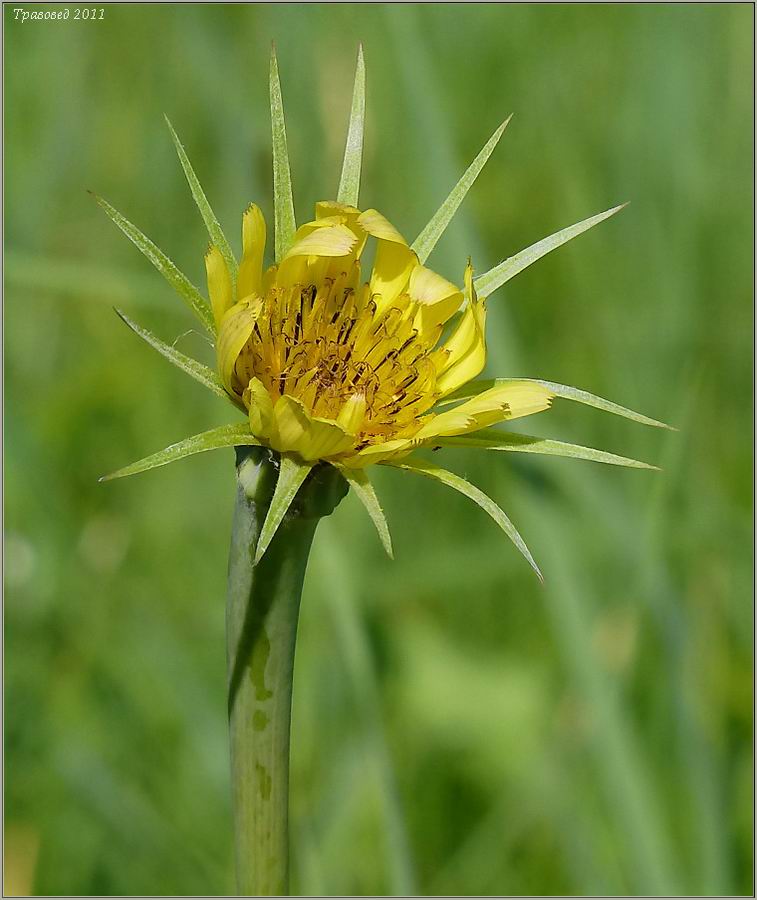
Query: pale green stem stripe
{"type": "Point", "coordinates": [192, 367]}
{"type": "Point", "coordinates": [349, 182]}
{"type": "Point", "coordinates": [487, 283]}
{"type": "Point", "coordinates": [262, 609]}
{"type": "Point", "coordinates": [283, 204]}
{"type": "Point", "coordinates": [178, 281]}
{"type": "Point", "coordinates": [427, 239]}
{"type": "Point", "coordinates": [215, 231]}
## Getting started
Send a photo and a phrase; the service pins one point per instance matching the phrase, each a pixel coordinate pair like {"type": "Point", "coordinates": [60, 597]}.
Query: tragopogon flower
{"type": "Point", "coordinates": [335, 365]}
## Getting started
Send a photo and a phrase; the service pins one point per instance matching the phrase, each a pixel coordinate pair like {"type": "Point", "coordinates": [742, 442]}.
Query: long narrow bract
{"type": "Point", "coordinates": [283, 204]}
{"type": "Point", "coordinates": [422, 467]}
{"type": "Point", "coordinates": [487, 283]}
{"type": "Point", "coordinates": [359, 481]}
{"type": "Point", "coordinates": [349, 181]}
{"type": "Point", "coordinates": [491, 439]}
{"type": "Point", "coordinates": [565, 391]}
{"type": "Point", "coordinates": [177, 279]}
{"type": "Point", "coordinates": [224, 436]}
{"type": "Point", "coordinates": [427, 239]}
{"type": "Point", "coordinates": [192, 367]}
{"type": "Point", "coordinates": [292, 473]}
{"type": "Point", "coordinates": [215, 231]}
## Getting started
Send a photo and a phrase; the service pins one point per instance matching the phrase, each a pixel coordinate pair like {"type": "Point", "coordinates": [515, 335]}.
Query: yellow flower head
{"type": "Point", "coordinates": [335, 365]}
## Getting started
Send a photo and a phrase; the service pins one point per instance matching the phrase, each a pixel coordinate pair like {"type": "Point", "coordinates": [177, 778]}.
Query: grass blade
{"type": "Point", "coordinates": [358, 479]}
{"type": "Point", "coordinates": [491, 439]}
{"type": "Point", "coordinates": [291, 476]}
{"type": "Point", "coordinates": [430, 470]}
{"type": "Point", "coordinates": [192, 367]}
{"type": "Point", "coordinates": [178, 281]}
{"type": "Point", "coordinates": [427, 239]}
{"type": "Point", "coordinates": [349, 182]}
{"type": "Point", "coordinates": [215, 231]}
{"type": "Point", "coordinates": [235, 435]}
{"type": "Point", "coordinates": [283, 204]}
{"type": "Point", "coordinates": [487, 283]}
{"type": "Point", "coordinates": [559, 390]}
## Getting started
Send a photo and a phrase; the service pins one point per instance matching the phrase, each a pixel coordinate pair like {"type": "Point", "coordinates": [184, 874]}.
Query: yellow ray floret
{"type": "Point", "coordinates": [331, 366]}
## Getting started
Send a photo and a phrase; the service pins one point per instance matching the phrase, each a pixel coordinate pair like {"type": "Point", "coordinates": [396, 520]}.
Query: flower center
{"type": "Point", "coordinates": [329, 344]}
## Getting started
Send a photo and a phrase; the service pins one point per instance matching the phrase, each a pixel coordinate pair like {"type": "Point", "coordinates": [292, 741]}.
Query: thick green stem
{"type": "Point", "coordinates": [261, 619]}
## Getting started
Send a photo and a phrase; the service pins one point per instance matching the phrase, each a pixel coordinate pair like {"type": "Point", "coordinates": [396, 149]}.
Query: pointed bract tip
{"type": "Point", "coordinates": [506, 121]}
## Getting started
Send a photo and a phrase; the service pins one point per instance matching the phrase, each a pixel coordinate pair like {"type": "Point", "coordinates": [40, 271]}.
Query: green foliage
{"type": "Point", "coordinates": [458, 727]}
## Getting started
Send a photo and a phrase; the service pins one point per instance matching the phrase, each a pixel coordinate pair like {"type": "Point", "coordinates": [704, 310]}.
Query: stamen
{"type": "Point", "coordinates": [326, 344]}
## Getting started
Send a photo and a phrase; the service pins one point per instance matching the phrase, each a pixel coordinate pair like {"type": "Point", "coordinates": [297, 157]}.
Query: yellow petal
{"type": "Point", "coordinates": [511, 400]}
{"type": "Point", "coordinates": [351, 415]}
{"type": "Point", "coordinates": [233, 333]}
{"type": "Point", "coordinates": [307, 262]}
{"type": "Point", "coordinates": [377, 226]}
{"type": "Point", "coordinates": [331, 240]}
{"type": "Point", "coordinates": [391, 272]}
{"type": "Point", "coordinates": [295, 430]}
{"type": "Point", "coordinates": [394, 259]}
{"type": "Point", "coordinates": [327, 208]}
{"type": "Point", "coordinates": [250, 276]}
{"type": "Point", "coordinates": [375, 453]}
{"type": "Point", "coordinates": [464, 354]}
{"type": "Point", "coordinates": [219, 284]}
{"type": "Point", "coordinates": [260, 405]}
{"type": "Point", "coordinates": [439, 299]}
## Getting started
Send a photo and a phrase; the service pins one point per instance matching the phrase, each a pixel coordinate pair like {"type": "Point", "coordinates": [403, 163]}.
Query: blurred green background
{"type": "Point", "coordinates": [457, 727]}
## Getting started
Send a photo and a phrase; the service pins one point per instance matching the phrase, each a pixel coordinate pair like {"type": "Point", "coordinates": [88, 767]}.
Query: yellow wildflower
{"type": "Point", "coordinates": [333, 365]}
